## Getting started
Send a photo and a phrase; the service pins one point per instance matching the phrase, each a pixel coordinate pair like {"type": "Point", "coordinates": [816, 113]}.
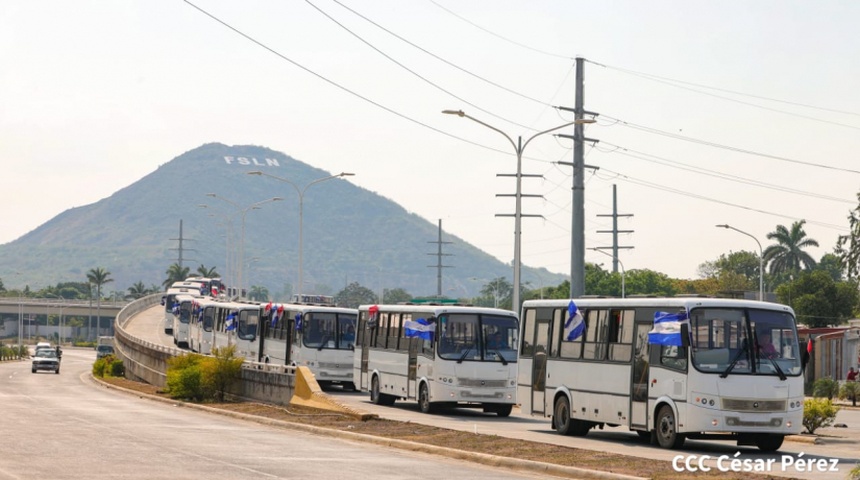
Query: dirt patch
{"type": "Point", "coordinates": [464, 441]}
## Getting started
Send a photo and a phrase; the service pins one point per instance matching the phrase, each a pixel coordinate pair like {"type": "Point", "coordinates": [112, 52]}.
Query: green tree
{"type": "Point", "coordinates": [138, 290]}
{"type": "Point", "coordinates": [818, 300]}
{"type": "Point", "coordinates": [207, 272]}
{"type": "Point", "coordinates": [258, 293]}
{"type": "Point", "coordinates": [848, 246]}
{"type": "Point", "coordinates": [395, 295]}
{"type": "Point", "coordinates": [496, 293]}
{"type": "Point", "coordinates": [354, 295]}
{"type": "Point", "coordinates": [787, 254]}
{"type": "Point", "coordinates": [98, 276]}
{"type": "Point", "coordinates": [832, 264]}
{"type": "Point", "coordinates": [649, 282]}
{"type": "Point", "coordinates": [175, 273]}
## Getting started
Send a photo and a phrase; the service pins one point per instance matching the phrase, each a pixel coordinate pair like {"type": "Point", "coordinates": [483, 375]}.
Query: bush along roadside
{"type": "Point", "coordinates": [108, 366]}
{"type": "Point", "coordinates": [201, 378]}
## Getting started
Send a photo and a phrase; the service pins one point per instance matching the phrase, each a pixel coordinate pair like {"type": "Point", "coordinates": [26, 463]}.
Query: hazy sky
{"type": "Point", "coordinates": [746, 113]}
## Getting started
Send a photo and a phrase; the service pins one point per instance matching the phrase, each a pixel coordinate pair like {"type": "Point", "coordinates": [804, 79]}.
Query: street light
{"type": "Point", "coordinates": [760, 260]}
{"type": "Point", "coordinates": [619, 263]}
{"type": "Point", "coordinates": [229, 268]}
{"type": "Point", "coordinates": [519, 146]}
{"type": "Point", "coordinates": [301, 193]}
{"type": "Point", "coordinates": [243, 211]}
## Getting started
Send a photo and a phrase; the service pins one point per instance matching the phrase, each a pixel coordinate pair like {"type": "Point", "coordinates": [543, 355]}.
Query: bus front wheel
{"type": "Point", "coordinates": [424, 400]}
{"type": "Point", "coordinates": [769, 443]}
{"type": "Point", "coordinates": [667, 429]}
{"type": "Point", "coordinates": [379, 398]}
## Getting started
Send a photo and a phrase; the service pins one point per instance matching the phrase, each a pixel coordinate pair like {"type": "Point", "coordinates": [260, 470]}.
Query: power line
{"type": "Point", "coordinates": [673, 82]}
{"type": "Point", "coordinates": [664, 133]}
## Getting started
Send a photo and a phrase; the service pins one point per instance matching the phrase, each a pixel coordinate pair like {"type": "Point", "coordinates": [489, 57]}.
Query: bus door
{"type": "Point", "coordinates": [639, 377]}
{"type": "Point", "coordinates": [411, 387]}
{"type": "Point", "coordinates": [289, 337]}
{"type": "Point", "coordinates": [541, 347]}
{"type": "Point", "coordinates": [365, 332]}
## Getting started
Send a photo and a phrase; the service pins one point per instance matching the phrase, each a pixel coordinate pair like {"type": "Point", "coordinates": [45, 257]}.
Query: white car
{"type": "Point", "coordinates": [46, 359]}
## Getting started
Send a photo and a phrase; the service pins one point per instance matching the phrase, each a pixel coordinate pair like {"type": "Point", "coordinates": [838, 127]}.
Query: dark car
{"type": "Point", "coordinates": [46, 359]}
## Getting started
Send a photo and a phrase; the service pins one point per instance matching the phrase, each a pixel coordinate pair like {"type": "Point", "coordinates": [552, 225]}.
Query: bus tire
{"type": "Point", "coordinates": [561, 420]}
{"type": "Point", "coordinates": [424, 402]}
{"type": "Point", "coordinates": [667, 429]}
{"type": "Point", "coordinates": [375, 396]}
{"type": "Point", "coordinates": [769, 443]}
{"type": "Point", "coordinates": [504, 411]}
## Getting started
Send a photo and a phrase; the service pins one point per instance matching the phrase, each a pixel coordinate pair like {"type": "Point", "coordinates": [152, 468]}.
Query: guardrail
{"type": "Point", "coordinates": [147, 361]}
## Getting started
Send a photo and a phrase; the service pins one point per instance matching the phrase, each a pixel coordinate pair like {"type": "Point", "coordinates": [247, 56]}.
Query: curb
{"type": "Point", "coordinates": [481, 458]}
{"type": "Point", "coordinates": [808, 439]}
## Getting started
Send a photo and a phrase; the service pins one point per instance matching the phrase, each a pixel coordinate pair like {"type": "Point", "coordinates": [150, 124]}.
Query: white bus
{"type": "Point", "coordinates": [666, 368]}
{"type": "Point", "coordinates": [168, 300]}
{"type": "Point", "coordinates": [183, 307]}
{"type": "Point", "coordinates": [319, 337]}
{"type": "Point", "coordinates": [237, 323]}
{"type": "Point", "coordinates": [439, 355]}
{"type": "Point", "coordinates": [201, 328]}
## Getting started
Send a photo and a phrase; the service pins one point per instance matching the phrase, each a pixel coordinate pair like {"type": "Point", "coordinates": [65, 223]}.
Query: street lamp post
{"type": "Point", "coordinates": [760, 259]}
{"type": "Point", "coordinates": [229, 274]}
{"type": "Point", "coordinates": [623, 293]}
{"type": "Point", "coordinates": [519, 146]}
{"type": "Point", "coordinates": [301, 193]}
{"type": "Point", "coordinates": [243, 211]}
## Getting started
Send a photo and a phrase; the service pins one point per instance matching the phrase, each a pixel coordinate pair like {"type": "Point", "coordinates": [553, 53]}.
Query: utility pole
{"type": "Point", "coordinates": [614, 230]}
{"type": "Point", "coordinates": [577, 230]}
{"type": "Point", "coordinates": [181, 249]}
{"type": "Point", "coordinates": [439, 265]}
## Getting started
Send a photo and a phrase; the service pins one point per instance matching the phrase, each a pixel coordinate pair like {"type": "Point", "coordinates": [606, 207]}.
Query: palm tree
{"type": "Point", "coordinates": [98, 276]}
{"type": "Point", "coordinates": [207, 272]}
{"type": "Point", "coordinates": [787, 254]}
{"type": "Point", "coordinates": [175, 273]}
{"type": "Point", "coordinates": [138, 290]}
{"type": "Point", "coordinates": [258, 293]}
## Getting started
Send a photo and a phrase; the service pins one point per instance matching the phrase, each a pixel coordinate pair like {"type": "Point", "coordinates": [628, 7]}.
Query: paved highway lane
{"type": "Point", "coordinates": [66, 426]}
{"type": "Point", "coordinates": [843, 445]}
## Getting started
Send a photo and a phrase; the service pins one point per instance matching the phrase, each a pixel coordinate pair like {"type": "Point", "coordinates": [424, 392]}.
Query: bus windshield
{"type": "Point", "coordinates": [185, 312]}
{"type": "Point", "coordinates": [208, 315]}
{"type": "Point", "coordinates": [744, 341]}
{"type": "Point", "coordinates": [329, 330]}
{"type": "Point", "coordinates": [478, 338]}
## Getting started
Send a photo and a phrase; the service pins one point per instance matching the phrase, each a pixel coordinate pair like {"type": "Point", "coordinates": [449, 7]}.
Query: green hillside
{"type": "Point", "coordinates": [350, 234]}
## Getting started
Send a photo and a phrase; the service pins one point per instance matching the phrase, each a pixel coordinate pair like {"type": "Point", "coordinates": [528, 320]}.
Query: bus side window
{"type": "Point", "coordinates": [621, 335]}
{"type": "Point", "coordinates": [595, 335]}
{"type": "Point", "coordinates": [673, 357]}
{"type": "Point", "coordinates": [527, 350]}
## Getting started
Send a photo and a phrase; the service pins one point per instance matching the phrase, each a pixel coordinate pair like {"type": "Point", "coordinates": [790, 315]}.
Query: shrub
{"type": "Point", "coordinates": [184, 379]}
{"type": "Point", "coordinates": [108, 366]}
{"type": "Point", "coordinates": [850, 390]}
{"type": "Point", "coordinates": [825, 387]}
{"type": "Point", "coordinates": [222, 370]}
{"type": "Point", "coordinates": [817, 413]}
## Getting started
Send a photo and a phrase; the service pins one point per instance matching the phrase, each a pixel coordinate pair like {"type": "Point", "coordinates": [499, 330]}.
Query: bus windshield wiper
{"type": "Point", "coordinates": [499, 354]}
{"type": "Point", "coordinates": [734, 362]}
{"type": "Point", "coordinates": [465, 354]}
{"type": "Point", "coordinates": [775, 366]}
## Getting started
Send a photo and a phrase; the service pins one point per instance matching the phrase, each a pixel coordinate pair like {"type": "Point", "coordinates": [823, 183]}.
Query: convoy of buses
{"type": "Point", "coordinates": [667, 368]}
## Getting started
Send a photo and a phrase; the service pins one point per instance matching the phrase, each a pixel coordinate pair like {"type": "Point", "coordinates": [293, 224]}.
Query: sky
{"type": "Point", "coordinates": [739, 113]}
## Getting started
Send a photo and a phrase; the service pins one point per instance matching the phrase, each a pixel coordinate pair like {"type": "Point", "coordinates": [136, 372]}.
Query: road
{"type": "Point", "coordinates": [841, 444]}
{"type": "Point", "coordinates": [66, 426]}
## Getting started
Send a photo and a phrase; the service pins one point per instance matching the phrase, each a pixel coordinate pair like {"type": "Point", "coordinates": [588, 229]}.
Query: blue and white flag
{"type": "Point", "coordinates": [298, 322]}
{"type": "Point", "coordinates": [574, 327]}
{"type": "Point", "coordinates": [420, 328]}
{"type": "Point", "coordinates": [231, 321]}
{"type": "Point", "coordinates": [175, 308]}
{"type": "Point", "coordinates": [667, 328]}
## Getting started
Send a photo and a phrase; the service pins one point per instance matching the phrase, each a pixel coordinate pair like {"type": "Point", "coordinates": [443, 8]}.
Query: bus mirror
{"type": "Point", "coordinates": [685, 334]}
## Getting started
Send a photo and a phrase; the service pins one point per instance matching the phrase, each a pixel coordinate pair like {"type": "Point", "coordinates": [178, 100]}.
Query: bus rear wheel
{"type": "Point", "coordinates": [424, 400]}
{"type": "Point", "coordinates": [376, 397]}
{"type": "Point", "coordinates": [769, 443]}
{"type": "Point", "coordinates": [667, 429]}
{"type": "Point", "coordinates": [561, 420]}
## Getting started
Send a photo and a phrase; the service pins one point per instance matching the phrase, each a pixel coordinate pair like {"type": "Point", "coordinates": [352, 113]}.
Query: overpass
{"type": "Point", "coordinates": [29, 316]}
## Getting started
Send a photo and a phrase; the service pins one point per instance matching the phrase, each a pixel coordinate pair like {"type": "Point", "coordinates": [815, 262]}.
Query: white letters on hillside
{"type": "Point", "coordinates": [267, 162]}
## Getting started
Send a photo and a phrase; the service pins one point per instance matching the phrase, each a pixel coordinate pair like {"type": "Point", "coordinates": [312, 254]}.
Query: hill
{"type": "Point", "coordinates": [350, 234]}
